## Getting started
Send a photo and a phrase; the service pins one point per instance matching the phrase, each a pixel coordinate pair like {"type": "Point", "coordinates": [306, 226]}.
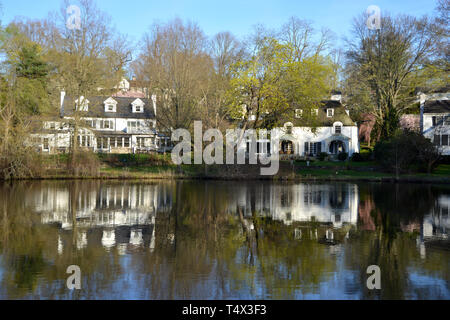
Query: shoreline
{"type": "Point", "coordinates": [130, 176]}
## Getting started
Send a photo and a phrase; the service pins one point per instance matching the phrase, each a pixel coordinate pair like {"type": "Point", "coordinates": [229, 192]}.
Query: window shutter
{"type": "Point", "coordinates": [306, 147]}
{"type": "Point", "coordinates": [434, 121]}
{"type": "Point", "coordinates": [437, 140]}
{"type": "Point", "coordinates": [319, 147]}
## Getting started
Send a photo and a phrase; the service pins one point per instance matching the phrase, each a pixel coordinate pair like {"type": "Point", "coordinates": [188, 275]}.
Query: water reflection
{"type": "Point", "coordinates": [122, 215]}
{"type": "Point", "coordinates": [222, 240]}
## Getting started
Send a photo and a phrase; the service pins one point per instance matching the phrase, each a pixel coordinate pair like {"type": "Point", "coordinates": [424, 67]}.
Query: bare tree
{"type": "Point", "coordinates": [175, 65]}
{"type": "Point", "coordinates": [390, 62]}
{"type": "Point", "coordinates": [89, 60]}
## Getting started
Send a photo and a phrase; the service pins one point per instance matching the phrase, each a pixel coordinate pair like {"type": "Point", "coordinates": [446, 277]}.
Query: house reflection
{"type": "Point", "coordinates": [437, 223]}
{"type": "Point", "coordinates": [334, 205]}
{"type": "Point", "coordinates": [434, 228]}
{"type": "Point", "coordinates": [110, 215]}
{"type": "Point", "coordinates": [123, 216]}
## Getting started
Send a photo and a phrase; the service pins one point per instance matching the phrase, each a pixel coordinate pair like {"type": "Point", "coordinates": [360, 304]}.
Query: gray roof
{"type": "Point", "coordinates": [437, 106]}
{"type": "Point", "coordinates": [322, 119]}
{"type": "Point", "coordinates": [97, 108]}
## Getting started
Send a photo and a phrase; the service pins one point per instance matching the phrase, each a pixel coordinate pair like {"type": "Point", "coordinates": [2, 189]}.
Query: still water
{"type": "Point", "coordinates": [223, 240]}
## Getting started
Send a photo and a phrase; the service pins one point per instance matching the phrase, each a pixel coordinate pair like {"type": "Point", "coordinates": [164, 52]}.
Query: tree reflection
{"type": "Point", "coordinates": [215, 240]}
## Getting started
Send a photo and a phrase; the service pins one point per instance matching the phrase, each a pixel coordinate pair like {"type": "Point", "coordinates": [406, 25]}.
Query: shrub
{"type": "Point", "coordinates": [18, 163]}
{"type": "Point", "coordinates": [366, 154]}
{"type": "Point", "coordinates": [342, 156]}
{"type": "Point", "coordinates": [444, 160]}
{"type": "Point", "coordinates": [357, 157]}
{"type": "Point", "coordinates": [406, 152]}
{"type": "Point", "coordinates": [322, 156]}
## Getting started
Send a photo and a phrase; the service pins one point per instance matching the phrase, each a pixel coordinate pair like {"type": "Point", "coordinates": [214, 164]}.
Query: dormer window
{"type": "Point", "coordinates": [298, 113]}
{"type": "Point", "coordinates": [337, 127]}
{"type": "Point", "coordinates": [330, 113]}
{"type": "Point", "coordinates": [82, 104]}
{"type": "Point", "coordinates": [137, 106]}
{"type": "Point", "coordinates": [110, 105]}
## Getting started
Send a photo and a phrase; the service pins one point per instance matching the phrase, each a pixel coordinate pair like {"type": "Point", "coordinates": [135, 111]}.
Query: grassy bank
{"type": "Point", "coordinates": [161, 167]}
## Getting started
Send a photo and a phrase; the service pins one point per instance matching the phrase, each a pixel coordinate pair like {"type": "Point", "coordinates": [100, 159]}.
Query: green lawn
{"type": "Point", "coordinates": [442, 171]}
{"type": "Point", "coordinates": [341, 164]}
{"type": "Point", "coordinates": [160, 166]}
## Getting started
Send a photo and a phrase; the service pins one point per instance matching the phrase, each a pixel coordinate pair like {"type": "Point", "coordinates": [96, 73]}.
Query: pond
{"type": "Point", "coordinates": [223, 240]}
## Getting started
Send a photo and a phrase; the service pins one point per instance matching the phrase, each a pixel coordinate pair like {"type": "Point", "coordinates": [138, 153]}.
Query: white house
{"type": "Point", "coordinates": [113, 124]}
{"type": "Point", "coordinates": [334, 132]}
{"type": "Point", "coordinates": [435, 119]}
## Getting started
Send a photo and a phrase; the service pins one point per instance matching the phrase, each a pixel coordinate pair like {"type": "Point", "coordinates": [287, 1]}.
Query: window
{"type": "Point", "coordinates": [126, 142]}
{"type": "Point", "coordinates": [102, 143]}
{"type": "Point", "coordinates": [137, 106]}
{"type": "Point", "coordinates": [447, 121]}
{"type": "Point", "coordinates": [140, 142]}
{"type": "Point", "coordinates": [313, 148]}
{"type": "Point", "coordinates": [91, 123]}
{"type": "Point", "coordinates": [315, 112]}
{"type": "Point", "coordinates": [82, 104]}
{"type": "Point", "coordinates": [45, 144]}
{"type": "Point", "coordinates": [338, 129]}
{"type": "Point", "coordinates": [437, 139]}
{"type": "Point", "coordinates": [330, 113]}
{"type": "Point", "coordinates": [313, 197]}
{"type": "Point", "coordinates": [52, 126]}
{"type": "Point", "coordinates": [440, 120]}
{"type": "Point", "coordinates": [110, 108]}
{"type": "Point", "coordinates": [298, 113]}
{"type": "Point", "coordinates": [441, 140]}
{"type": "Point", "coordinates": [106, 124]}
{"type": "Point", "coordinates": [286, 199]}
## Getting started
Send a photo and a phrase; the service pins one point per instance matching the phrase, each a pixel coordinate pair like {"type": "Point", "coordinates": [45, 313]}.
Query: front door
{"type": "Point", "coordinates": [337, 147]}
{"type": "Point", "coordinates": [287, 147]}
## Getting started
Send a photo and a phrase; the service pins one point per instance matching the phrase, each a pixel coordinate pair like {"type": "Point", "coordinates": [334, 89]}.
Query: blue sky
{"type": "Point", "coordinates": [133, 17]}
